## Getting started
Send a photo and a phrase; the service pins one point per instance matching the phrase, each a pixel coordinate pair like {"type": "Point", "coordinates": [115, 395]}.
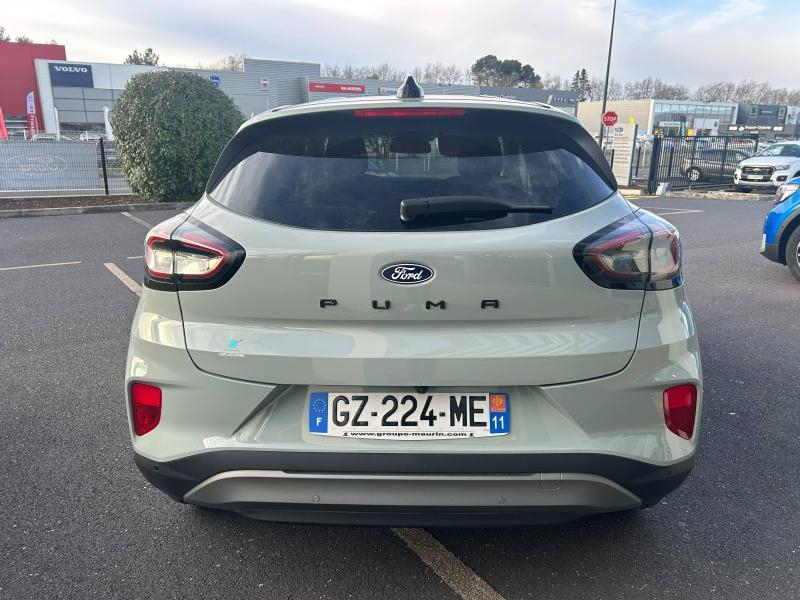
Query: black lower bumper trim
{"type": "Point", "coordinates": [401, 516]}
{"type": "Point", "coordinates": [647, 481]}
{"type": "Point", "coordinates": [772, 252]}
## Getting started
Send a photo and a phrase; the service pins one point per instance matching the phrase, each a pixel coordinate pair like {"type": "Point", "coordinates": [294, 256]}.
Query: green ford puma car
{"type": "Point", "coordinates": [416, 311]}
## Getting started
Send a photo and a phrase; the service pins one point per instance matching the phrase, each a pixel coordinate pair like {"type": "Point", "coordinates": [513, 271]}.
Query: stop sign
{"type": "Point", "coordinates": [609, 118]}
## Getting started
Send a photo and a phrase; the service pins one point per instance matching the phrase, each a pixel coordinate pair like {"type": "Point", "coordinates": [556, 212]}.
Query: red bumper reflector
{"type": "Point", "coordinates": [680, 409]}
{"type": "Point", "coordinates": [145, 407]}
{"type": "Point", "coordinates": [409, 112]}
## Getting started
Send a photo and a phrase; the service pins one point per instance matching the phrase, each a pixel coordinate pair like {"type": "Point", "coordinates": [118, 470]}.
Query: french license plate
{"type": "Point", "coordinates": [756, 177]}
{"type": "Point", "coordinates": [409, 416]}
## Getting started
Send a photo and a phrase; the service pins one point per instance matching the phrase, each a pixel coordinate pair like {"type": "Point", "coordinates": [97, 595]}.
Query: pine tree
{"type": "Point", "coordinates": [581, 84]}
{"type": "Point", "coordinates": [585, 86]}
{"type": "Point", "coordinates": [575, 86]}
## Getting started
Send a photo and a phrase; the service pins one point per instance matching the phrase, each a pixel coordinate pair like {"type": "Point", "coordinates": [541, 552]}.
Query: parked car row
{"type": "Point", "coordinates": [769, 168]}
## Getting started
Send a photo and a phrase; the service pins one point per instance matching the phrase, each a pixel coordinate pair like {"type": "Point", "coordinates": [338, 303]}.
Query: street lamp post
{"type": "Point", "coordinates": [608, 71]}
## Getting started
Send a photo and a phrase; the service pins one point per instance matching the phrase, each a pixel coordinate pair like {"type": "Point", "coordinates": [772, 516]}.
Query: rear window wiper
{"type": "Point", "coordinates": [412, 208]}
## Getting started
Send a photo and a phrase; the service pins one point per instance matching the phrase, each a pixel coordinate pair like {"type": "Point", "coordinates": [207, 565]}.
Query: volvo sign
{"type": "Point", "coordinates": [71, 75]}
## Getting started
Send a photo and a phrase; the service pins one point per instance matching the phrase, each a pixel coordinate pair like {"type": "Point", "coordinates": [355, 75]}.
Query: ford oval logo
{"type": "Point", "coordinates": [406, 273]}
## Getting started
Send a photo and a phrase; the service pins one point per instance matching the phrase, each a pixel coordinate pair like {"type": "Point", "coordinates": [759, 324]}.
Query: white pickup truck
{"type": "Point", "coordinates": [769, 168]}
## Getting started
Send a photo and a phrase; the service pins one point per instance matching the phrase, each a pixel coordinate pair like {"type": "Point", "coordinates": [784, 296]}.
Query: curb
{"type": "Point", "coordinates": [721, 195]}
{"type": "Point", "coordinates": [85, 210]}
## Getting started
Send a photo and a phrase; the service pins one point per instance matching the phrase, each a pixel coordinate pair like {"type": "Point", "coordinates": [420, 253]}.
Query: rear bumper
{"type": "Point", "coordinates": [413, 489]}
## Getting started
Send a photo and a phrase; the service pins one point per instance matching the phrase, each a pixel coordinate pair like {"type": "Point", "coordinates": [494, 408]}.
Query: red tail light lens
{"type": "Point", "coordinates": [680, 409]}
{"type": "Point", "coordinates": [409, 112]}
{"type": "Point", "coordinates": [640, 251]}
{"type": "Point", "coordinates": [145, 407]}
{"type": "Point", "coordinates": [188, 254]}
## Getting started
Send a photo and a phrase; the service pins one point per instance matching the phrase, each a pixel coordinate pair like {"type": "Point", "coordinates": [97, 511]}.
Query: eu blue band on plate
{"type": "Point", "coordinates": [318, 412]}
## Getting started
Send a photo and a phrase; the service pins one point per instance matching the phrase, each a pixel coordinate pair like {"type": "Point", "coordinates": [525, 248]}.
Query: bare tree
{"type": "Point", "coordinates": [234, 62]}
{"type": "Point", "coordinates": [793, 97]}
{"type": "Point", "coordinates": [718, 91]}
{"type": "Point", "coordinates": [641, 89]}
{"type": "Point", "coordinates": [747, 91]}
{"type": "Point", "coordinates": [430, 73]}
{"type": "Point", "coordinates": [439, 73]}
{"type": "Point", "coordinates": [670, 91]}
{"type": "Point", "coordinates": [554, 82]}
{"type": "Point", "coordinates": [331, 71]}
{"type": "Point", "coordinates": [385, 72]}
{"type": "Point", "coordinates": [597, 86]}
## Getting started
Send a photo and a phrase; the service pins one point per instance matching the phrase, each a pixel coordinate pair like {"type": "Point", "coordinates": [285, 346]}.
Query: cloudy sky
{"type": "Point", "coordinates": [691, 41]}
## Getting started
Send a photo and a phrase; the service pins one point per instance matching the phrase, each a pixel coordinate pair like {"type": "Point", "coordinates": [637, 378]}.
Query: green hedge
{"type": "Point", "coordinates": [169, 128]}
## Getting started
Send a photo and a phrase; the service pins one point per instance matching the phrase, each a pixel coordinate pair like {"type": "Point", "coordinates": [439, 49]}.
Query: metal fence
{"type": "Point", "coordinates": [687, 162]}
{"type": "Point", "coordinates": [60, 168]}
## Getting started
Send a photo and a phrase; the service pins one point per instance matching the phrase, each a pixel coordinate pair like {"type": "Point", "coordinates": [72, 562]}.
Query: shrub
{"type": "Point", "coordinates": [169, 128]}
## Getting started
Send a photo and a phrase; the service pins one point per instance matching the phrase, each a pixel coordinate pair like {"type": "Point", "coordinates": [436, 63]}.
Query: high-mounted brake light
{"type": "Point", "coordinates": [638, 252]}
{"type": "Point", "coordinates": [145, 407]}
{"type": "Point", "coordinates": [680, 409]}
{"type": "Point", "coordinates": [409, 112]}
{"type": "Point", "coordinates": [189, 255]}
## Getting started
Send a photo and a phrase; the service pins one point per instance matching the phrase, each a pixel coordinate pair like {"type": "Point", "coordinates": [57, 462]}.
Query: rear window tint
{"type": "Point", "coordinates": [339, 171]}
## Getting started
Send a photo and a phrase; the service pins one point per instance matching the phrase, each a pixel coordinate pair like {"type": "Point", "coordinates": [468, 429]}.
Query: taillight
{"type": "Point", "coordinates": [145, 407]}
{"type": "Point", "coordinates": [188, 254]}
{"type": "Point", "coordinates": [680, 409]}
{"type": "Point", "coordinates": [640, 251]}
{"type": "Point", "coordinates": [409, 112]}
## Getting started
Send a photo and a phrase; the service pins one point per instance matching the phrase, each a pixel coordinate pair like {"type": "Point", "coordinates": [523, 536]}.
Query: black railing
{"type": "Point", "coordinates": [687, 162]}
{"type": "Point", "coordinates": [49, 167]}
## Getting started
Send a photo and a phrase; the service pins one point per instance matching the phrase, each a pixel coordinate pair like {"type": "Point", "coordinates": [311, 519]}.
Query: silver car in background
{"type": "Point", "coordinates": [770, 168]}
{"type": "Point", "coordinates": [414, 310]}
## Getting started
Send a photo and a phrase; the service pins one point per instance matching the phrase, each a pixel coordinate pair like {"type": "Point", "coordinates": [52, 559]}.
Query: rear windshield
{"type": "Point", "coordinates": [349, 172]}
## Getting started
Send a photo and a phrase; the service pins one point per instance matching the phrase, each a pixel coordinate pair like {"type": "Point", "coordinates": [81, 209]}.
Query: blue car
{"type": "Point", "coordinates": [781, 239]}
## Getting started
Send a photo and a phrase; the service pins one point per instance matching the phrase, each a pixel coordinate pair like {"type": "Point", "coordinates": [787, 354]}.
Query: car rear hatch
{"type": "Point", "coordinates": [335, 289]}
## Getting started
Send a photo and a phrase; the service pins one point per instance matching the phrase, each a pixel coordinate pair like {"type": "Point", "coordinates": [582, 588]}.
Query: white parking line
{"type": "Point", "coordinates": [674, 210]}
{"type": "Point", "coordinates": [458, 576]}
{"type": "Point", "coordinates": [123, 277]}
{"type": "Point", "coordinates": [682, 211]}
{"type": "Point", "coordinates": [141, 222]}
{"type": "Point", "coordinates": [133, 257]}
{"type": "Point", "coordinates": [61, 264]}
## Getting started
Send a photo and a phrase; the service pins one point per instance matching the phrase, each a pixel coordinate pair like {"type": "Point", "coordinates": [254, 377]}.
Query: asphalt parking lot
{"type": "Point", "coordinates": [80, 522]}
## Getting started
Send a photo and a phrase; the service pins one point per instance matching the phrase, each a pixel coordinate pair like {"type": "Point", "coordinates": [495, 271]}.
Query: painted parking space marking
{"type": "Point", "coordinates": [458, 576]}
{"type": "Point", "coordinates": [133, 257]}
{"type": "Point", "coordinates": [124, 278]}
{"type": "Point", "coordinates": [141, 222]}
{"type": "Point", "coordinates": [58, 264]}
{"type": "Point", "coordinates": [672, 210]}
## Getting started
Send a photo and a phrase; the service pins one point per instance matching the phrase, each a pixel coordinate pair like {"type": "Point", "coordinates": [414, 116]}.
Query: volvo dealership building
{"type": "Point", "coordinates": [74, 95]}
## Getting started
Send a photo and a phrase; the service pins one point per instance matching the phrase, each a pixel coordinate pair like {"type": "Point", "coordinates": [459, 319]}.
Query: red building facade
{"type": "Point", "coordinates": [18, 76]}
